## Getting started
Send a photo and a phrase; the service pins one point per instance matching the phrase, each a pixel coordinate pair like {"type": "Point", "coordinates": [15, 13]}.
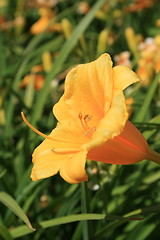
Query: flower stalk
{"type": "Point", "coordinates": [84, 208]}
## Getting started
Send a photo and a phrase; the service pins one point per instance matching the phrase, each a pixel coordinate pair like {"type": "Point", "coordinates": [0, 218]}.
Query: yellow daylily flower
{"type": "Point", "coordinates": [92, 124]}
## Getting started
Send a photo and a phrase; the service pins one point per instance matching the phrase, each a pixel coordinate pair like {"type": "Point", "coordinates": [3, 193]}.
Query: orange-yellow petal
{"type": "Point", "coordinates": [111, 124]}
{"type": "Point", "coordinates": [88, 87]}
{"type": "Point", "coordinates": [63, 154]}
{"type": "Point", "coordinates": [123, 77]}
{"type": "Point", "coordinates": [73, 168]}
{"type": "Point", "coordinates": [127, 148]}
{"type": "Point", "coordinates": [48, 162]}
{"type": "Point", "coordinates": [115, 117]}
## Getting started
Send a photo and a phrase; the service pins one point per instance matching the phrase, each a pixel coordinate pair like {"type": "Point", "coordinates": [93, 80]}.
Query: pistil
{"type": "Point", "coordinates": [44, 135]}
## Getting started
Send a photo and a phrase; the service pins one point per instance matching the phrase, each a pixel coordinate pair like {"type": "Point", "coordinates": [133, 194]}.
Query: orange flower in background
{"type": "Point", "coordinates": [17, 22]}
{"type": "Point", "coordinates": [37, 78]}
{"type": "Point", "coordinates": [46, 16]}
{"type": "Point", "coordinates": [149, 62]}
{"type": "Point", "coordinates": [34, 76]}
{"type": "Point", "coordinates": [139, 5]}
{"type": "Point", "coordinates": [92, 124]}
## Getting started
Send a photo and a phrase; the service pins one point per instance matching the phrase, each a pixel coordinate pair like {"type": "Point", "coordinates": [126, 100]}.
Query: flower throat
{"type": "Point", "coordinates": [84, 122]}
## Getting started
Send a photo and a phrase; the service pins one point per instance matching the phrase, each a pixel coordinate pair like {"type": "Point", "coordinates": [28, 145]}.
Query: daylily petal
{"type": "Point", "coordinates": [88, 87]}
{"type": "Point", "coordinates": [68, 135]}
{"type": "Point", "coordinates": [46, 164]}
{"type": "Point", "coordinates": [134, 136]}
{"type": "Point", "coordinates": [127, 148]}
{"type": "Point", "coordinates": [123, 77]}
{"type": "Point", "coordinates": [69, 161]}
{"type": "Point", "coordinates": [112, 124]}
{"type": "Point", "coordinates": [73, 169]}
{"type": "Point", "coordinates": [63, 154]}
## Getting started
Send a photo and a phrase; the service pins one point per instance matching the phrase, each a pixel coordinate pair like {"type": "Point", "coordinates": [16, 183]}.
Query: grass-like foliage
{"type": "Point", "coordinates": [118, 202]}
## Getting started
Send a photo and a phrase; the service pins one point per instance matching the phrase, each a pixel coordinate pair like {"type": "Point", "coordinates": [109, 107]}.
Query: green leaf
{"type": "Point", "coordinates": [5, 234]}
{"type": "Point", "coordinates": [71, 218]}
{"type": "Point", "coordinates": [152, 178]}
{"type": "Point", "coordinates": [7, 200]}
{"type": "Point", "coordinates": [29, 53]}
{"type": "Point", "coordinates": [141, 231]}
{"type": "Point", "coordinates": [147, 101]}
{"type": "Point", "coordinates": [147, 134]}
{"type": "Point", "coordinates": [2, 172]}
{"type": "Point", "coordinates": [134, 216]}
{"type": "Point", "coordinates": [2, 56]}
{"type": "Point", "coordinates": [23, 230]}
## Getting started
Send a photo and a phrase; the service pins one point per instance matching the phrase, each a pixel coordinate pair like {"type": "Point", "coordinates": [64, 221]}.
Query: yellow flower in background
{"type": "Point", "coordinates": [92, 124]}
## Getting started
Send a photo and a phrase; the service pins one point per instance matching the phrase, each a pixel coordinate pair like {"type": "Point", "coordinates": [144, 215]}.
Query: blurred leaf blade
{"type": "Point", "coordinates": [148, 98]}
{"type": "Point", "coordinates": [23, 230]}
{"type": "Point", "coordinates": [5, 233]}
{"type": "Point", "coordinates": [148, 133]}
{"type": "Point", "coordinates": [7, 200]}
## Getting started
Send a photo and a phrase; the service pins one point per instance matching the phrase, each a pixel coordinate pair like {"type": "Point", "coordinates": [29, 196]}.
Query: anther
{"type": "Point", "coordinates": [84, 119]}
{"type": "Point", "coordinates": [87, 117]}
{"type": "Point", "coordinates": [80, 115]}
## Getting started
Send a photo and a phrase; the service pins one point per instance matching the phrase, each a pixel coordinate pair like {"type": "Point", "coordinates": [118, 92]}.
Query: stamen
{"type": "Point", "coordinates": [84, 121]}
{"type": "Point", "coordinates": [87, 117]}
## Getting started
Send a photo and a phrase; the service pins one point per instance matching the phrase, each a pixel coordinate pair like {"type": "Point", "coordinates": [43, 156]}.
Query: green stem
{"type": "Point", "coordinates": [84, 210]}
{"type": "Point", "coordinates": [153, 156]}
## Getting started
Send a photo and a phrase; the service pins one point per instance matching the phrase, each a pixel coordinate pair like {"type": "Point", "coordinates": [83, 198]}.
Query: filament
{"type": "Point", "coordinates": [82, 121]}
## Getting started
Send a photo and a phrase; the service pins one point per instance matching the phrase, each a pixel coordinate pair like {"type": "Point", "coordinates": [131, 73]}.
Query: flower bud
{"type": "Point", "coordinates": [102, 42]}
{"type": "Point", "coordinates": [66, 27]}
